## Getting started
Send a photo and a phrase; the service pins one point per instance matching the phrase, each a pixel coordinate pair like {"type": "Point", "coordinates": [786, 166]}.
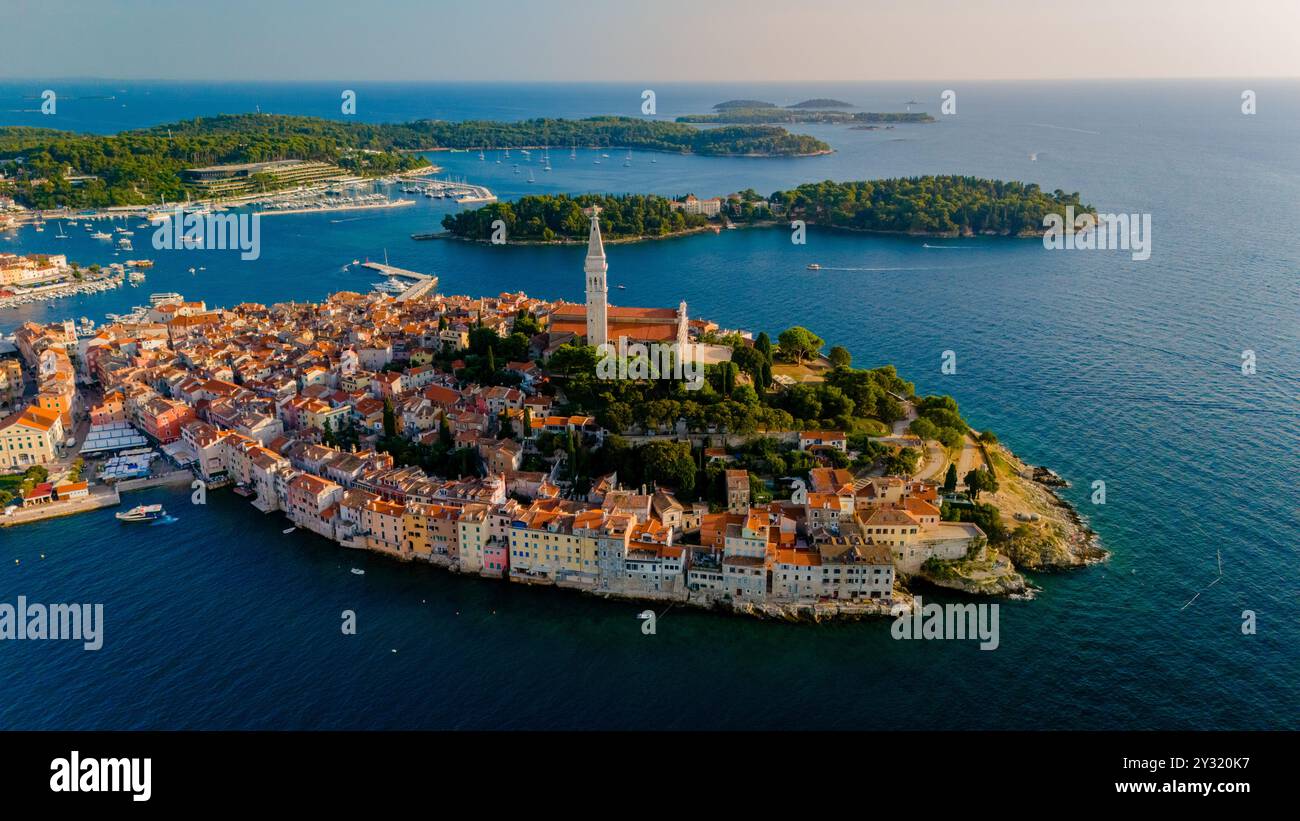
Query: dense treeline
{"type": "Point", "coordinates": [137, 167]}
{"type": "Point", "coordinates": [552, 217]}
{"type": "Point", "coordinates": [605, 132]}
{"type": "Point", "coordinates": [739, 396]}
{"type": "Point", "coordinates": [929, 205]}
{"type": "Point", "coordinates": [948, 205]}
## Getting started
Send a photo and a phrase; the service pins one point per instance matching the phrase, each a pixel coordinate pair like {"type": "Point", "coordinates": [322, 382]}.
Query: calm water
{"type": "Point", "coordinates": [1103, 367]}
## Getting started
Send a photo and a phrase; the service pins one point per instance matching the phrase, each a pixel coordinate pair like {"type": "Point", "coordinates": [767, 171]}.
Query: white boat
{"type": "Point", "coordinates": [141, 513]}
{"type": "Point", "coordinates": [288, 530]}
{"type": "Point", "coordinates": [812, 266]}
{"type": "Point", "coordinates": [101, 235]}
{"type": "Point", "coordinates": [356, 571]}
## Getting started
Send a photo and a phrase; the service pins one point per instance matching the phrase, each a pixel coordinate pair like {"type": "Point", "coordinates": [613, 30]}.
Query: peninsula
{"type": "Point", "coordinates": [46, 169]}
{"type": "Point", "coordinates": [488, 436]}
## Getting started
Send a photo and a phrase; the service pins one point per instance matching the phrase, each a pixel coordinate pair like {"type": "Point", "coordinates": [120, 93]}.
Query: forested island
{"type": "Point", "coordinates": [146, 165]}
{"type": "Point", "coordinates": [821, 102]}
{"type": "Point", "coordinates": [817, 102]}
{"type": "Point", "coordinates": [929, 205]}
{"type": "Point", "coordinates": [773, 114]}
{"type": "Point", "coordinates": [729, 104]}
{"type": "Point", "coordinates": [948, 205]}
{"type": "Point", "coordinates": [559, 218]}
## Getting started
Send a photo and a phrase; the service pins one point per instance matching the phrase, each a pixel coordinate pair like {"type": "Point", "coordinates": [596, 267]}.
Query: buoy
{"type": "Point", "coordinates": [394, 650]}
{"type": "Point", "coordinates": [42, 555]}
{"type": "Point", "coordinates": [15, 561]}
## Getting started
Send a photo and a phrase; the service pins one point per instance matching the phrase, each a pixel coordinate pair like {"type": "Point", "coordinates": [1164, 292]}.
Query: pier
{"type": "Point", "coordinates": [424, 283]}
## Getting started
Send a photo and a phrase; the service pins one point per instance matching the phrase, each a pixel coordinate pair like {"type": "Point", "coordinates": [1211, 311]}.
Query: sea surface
{"type": "Point", "coordinates": [1100, 366]}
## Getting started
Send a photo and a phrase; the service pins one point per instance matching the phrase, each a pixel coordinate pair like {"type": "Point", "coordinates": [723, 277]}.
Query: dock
{"type": "Point", "coordinates": [424, 283]}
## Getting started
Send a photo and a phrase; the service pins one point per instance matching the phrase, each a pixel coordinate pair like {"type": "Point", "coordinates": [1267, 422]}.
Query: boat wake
{"type": "Point", "coordinates": [948, 247]}
{"type": "Point", "coordinates": [165, 520]}
{"type": "Point", "coordinates": [905, 268]}
{"type": "Point", "coordinates": [1065, 128]}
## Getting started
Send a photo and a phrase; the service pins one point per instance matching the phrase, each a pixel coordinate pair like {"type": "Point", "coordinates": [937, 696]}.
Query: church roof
{"type": "Point", "coordinates": [569, 310]}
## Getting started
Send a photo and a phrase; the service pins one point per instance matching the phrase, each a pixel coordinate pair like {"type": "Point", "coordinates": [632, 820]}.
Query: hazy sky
{"type": "Point", "coordinates": [636, 40]}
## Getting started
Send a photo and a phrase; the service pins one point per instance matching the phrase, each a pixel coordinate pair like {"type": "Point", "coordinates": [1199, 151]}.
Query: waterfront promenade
{"type": "Point", "coordinates": [98, 497]}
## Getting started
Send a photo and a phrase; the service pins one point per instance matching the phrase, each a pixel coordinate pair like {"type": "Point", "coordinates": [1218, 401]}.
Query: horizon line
{"type": "Point", "coordinates": [1093, 79]}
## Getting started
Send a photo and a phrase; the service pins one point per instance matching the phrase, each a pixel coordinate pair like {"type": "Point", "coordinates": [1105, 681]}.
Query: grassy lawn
{"type": "Point", "coordinates": [814, 370]}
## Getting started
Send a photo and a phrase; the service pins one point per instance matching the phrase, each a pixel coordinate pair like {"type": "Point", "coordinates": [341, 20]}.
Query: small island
{"type": "Point", "coordinates": [821, 103]}
{"type": "Point", "coordinates": [772, 114]}
{"type": "Point", "coordinates": [730, 104]}
{"type": "Point", "coordinates": [940, 206]}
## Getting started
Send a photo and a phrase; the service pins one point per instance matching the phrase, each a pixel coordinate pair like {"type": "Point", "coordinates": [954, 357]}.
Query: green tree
{"type": "Point", "coordinates": [669, 463]}
{"type": "Point", "coordinates": [799, 343]}
{"type": "Point", "coordinates": [950, 479]}
{"type": "Point", "coordinates": [390, 420]}
{"type": "Point", "coordinates": [840, 357]}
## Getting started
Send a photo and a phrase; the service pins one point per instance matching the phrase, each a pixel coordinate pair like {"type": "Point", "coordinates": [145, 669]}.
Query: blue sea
{"type": "Point", "coordinates": [1100, 366]}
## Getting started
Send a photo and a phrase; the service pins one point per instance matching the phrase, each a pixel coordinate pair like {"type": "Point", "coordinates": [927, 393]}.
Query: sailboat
{"type": "Point", "coordinates": [480, 156]}
{"type": "Point", "coordinates": [61, 234]}
{"type": "Point", "coordinates": [530, 176]}
{"type": "Point", "coordinates": [573, 153]}
{"type": "Point", "coordinates": [628, 162]}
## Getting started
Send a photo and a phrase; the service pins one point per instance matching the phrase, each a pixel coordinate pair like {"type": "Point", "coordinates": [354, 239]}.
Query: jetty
{"type": "Point", "coordinates": [422, 285]}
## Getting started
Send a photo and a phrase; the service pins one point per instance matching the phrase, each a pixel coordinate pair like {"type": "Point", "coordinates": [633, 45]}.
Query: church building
{"type": "Point", "coordinates": [601, 322]}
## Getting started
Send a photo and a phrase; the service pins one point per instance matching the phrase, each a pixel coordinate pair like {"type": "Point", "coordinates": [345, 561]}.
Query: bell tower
{"type": "Point", "coordinates": [597, 289]}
